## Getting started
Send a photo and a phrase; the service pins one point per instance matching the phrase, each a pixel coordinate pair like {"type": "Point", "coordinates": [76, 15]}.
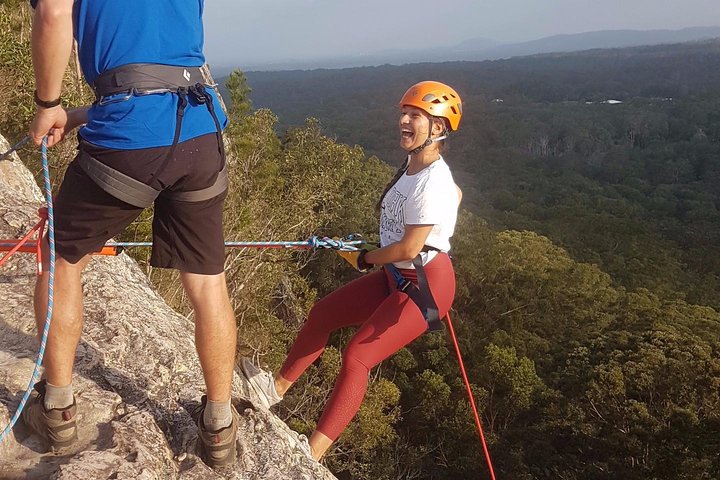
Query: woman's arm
{"type": "Point", "coordinates": [406, 249]}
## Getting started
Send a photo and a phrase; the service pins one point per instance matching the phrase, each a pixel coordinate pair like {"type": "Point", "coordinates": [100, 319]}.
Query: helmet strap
{"type": "Point", "coordinates": [419, 149]}
{"type": "Point", "coordinates": [427, 143]}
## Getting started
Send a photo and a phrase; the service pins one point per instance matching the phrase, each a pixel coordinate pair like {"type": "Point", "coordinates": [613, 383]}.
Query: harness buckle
{"type": "Point", "coordinates": [199, 94]}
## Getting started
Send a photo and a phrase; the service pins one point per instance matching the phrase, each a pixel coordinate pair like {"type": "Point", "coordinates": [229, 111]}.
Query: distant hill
{"type": "Point", "coordinates": [591, 40]}
{"type": "Point", "coordinates": [481, 48]}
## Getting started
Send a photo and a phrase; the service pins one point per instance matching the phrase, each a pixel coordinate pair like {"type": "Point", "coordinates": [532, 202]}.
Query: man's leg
{"type": "Point", "coordinates": [215, 331]}
{"type": "Point", "coordinates": [67, 318]}
{"type": "Point", "coordinates": [51, 410]}
{"type": "Point", "coordinates": [215, 341]}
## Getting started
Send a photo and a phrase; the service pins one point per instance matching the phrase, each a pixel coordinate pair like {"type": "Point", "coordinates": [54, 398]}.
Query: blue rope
{"type": "Point", "coordinates": [312, 242]}
{"type": "Point", "coordinates": [51, 272]}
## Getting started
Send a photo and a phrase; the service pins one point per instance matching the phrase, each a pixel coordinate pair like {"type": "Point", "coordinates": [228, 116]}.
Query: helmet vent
{"type": "Point", "coordinates": [430, 98]}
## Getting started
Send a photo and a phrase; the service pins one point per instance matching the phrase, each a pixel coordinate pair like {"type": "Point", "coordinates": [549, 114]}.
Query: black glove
{"type": "Point", "coordinates": [356, 258]}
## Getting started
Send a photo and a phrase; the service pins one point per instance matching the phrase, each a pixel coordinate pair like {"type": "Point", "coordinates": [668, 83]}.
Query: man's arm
{"type": "Point", "coordinates": [52, 38]}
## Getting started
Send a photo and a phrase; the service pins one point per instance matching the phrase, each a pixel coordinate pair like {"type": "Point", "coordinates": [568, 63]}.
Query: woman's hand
{"type": "Point", "coordinates": [356, 258]}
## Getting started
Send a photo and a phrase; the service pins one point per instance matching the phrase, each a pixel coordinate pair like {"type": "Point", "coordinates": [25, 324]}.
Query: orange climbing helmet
{"type": "Point", "coordinates": [436, 99]}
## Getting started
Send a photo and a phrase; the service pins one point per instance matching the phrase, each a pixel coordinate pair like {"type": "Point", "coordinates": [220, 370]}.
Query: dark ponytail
{"type": "Point", "coordinates": [401, 171]}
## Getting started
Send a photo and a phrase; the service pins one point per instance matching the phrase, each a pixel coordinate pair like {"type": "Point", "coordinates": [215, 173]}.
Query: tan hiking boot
{"type": "Point", "coordinates": [217, 449]}
{"type": "Point", "coordinates": [56, 426]}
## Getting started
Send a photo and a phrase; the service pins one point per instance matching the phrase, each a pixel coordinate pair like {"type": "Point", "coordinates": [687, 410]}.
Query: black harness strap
{"type": "Point", "coordinates": [424, 298]}
{"type": "Point", "coordinates": [179, 115]}
{"type": "Point", "coordinates": [420, 294]}
{"type": "Point", "coordinates": [116, 183]}
{"type": "Point", "coordinates": [146, 79]}
{"type": "Point", "coordinates": [139, 194]}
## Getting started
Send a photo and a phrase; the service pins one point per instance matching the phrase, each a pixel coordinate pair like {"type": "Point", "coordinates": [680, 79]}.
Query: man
{"type": "Point", "coordinates": [153, 136]}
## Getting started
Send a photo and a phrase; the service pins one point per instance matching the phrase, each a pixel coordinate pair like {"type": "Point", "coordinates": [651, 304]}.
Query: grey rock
{"type": "Point", "coordinates": [137, 376]}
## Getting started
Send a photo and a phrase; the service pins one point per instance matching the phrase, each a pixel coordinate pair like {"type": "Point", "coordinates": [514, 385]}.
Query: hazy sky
{"type": "Point", "coordinates": [245, 32]}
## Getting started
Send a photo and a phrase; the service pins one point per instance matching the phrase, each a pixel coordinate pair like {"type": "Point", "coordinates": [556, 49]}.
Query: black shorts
{"type": "Point", "coordinates": [187, 236]}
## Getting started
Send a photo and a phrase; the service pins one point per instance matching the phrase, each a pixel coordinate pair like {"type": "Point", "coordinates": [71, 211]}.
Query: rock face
{"type": "Point", "coordinates": [137, 376]}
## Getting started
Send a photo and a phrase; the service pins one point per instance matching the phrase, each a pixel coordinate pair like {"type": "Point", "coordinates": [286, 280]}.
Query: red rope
{"type": "Point", "coordinates": [40, 228]}
{"type": "Point", "coordinates": [472, 400]}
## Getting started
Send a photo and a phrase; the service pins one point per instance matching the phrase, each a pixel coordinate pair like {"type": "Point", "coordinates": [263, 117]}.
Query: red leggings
{"type": "Point", "coordinates": [388, 321]}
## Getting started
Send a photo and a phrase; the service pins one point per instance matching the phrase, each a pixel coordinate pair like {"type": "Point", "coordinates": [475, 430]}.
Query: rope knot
{"type": "Point", "coordinates": [334, 243]}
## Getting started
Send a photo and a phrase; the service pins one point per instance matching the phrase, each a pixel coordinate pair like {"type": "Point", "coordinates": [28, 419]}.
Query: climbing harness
{"type": "Point", "coordinates": [51, 281]}
{"type": "Point", "coordinates": [139, 194]}
{"type": "Point", "coordinates": [420, 294]}
{"type": "Point", "coordinates": [139, 79]}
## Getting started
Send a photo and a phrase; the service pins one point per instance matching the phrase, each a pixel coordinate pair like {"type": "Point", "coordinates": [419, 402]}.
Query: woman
{"type": "Point", "coordinates": [418, 212]}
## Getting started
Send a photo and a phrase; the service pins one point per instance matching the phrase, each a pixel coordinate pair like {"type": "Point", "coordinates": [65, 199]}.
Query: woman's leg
{"type": "Point", "coordinates": [396, 322]}
{"type": "Point", "coordinates": [351, 304]}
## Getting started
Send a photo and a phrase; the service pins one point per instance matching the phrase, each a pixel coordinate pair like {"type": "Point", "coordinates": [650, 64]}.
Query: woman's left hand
{"type": "Point", "coordinates": [356, 257]}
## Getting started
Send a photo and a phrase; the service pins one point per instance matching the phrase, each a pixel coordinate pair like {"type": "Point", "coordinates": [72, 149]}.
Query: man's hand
{"type": "Point", "coordinates": [50, 122]}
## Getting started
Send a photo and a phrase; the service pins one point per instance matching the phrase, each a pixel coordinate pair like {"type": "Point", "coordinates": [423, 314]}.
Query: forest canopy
{"type": "Point", "coordinates": [586, 256]}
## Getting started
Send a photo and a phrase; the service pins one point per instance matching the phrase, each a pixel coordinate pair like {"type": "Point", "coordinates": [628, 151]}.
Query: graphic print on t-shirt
{"type": "Point", "coordinates": [393, 212]}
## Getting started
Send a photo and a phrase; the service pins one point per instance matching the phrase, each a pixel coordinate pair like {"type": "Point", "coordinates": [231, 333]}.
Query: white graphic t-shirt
{"type": "Point", "coordinates": [427, 198]}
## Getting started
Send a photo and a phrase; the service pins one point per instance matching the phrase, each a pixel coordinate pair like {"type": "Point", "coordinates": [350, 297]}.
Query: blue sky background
{"type": "Point", "coordinates": [245, 32]}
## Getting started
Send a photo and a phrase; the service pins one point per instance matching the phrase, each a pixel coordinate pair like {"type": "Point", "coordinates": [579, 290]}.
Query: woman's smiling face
{"type": "Point", "coordinates": [414, 127]}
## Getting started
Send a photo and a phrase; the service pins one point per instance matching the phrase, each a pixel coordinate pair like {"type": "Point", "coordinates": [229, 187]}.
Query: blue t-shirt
{"type": "Point", "coordinates": [111, 33]}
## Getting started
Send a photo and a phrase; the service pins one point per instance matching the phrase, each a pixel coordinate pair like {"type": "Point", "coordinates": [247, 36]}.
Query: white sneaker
{"type": "Point", "coordinates": [303, 444]}
{"type": "Point", "coordinates": [262, 383]}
